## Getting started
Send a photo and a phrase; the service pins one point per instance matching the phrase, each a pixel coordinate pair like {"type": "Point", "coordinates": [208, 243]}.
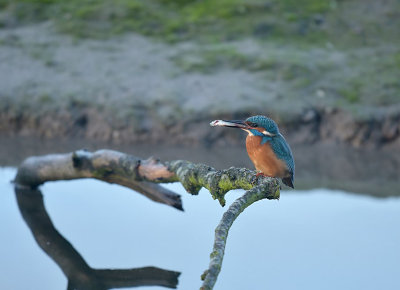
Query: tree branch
{"type": "Point", "coordinates": [107, 165]}
{"type": "Point", "coordinates": [195, 176]}
{"type": "Point", "coordinates": [132, 172]}
{"type": "Point", "coordinates": [140, 175]}
{"type": "Point", "coordinates": [269, 190]}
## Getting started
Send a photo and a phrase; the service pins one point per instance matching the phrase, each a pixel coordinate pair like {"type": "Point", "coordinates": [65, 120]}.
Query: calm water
{"type": "Point", "coordinates": [316, 239]}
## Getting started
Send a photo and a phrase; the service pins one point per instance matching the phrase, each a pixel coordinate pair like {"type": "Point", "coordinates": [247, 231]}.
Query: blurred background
{"type": "Point", "coordinates": [147, 77]}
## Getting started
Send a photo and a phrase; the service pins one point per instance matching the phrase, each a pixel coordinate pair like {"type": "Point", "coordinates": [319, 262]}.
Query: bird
{"type": "Point", "coordinates": [266, 147]}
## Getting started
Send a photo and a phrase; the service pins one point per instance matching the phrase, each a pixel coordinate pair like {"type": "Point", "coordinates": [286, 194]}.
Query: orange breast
{"type": "Point", "coordinates": [264, 158]}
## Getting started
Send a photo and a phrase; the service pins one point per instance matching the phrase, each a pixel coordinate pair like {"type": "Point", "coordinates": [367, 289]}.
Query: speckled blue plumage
{"type": "Point", "coordinates": [278, 143]}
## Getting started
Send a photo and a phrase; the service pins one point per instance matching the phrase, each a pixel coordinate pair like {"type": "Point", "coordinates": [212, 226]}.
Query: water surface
{"type": "Point", "coordinates": [314, 239]}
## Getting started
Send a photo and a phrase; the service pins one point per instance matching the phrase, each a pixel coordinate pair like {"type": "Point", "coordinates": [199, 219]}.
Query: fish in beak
{"type": "Point", "coordinates": [230, 123]}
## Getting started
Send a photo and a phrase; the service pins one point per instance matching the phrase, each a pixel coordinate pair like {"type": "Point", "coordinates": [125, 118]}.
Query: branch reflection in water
{"type": "Point", "coordinates": [79, 274]}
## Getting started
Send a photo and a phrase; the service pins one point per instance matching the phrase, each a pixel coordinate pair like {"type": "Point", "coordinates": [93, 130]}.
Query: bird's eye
{"type": "Point", "coordinates": [251, 124]}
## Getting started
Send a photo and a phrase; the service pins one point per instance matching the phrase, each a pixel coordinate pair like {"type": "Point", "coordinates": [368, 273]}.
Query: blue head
{"type": "Point", "coordinates": [257, 125]}
{"type": "Point", "coordinates": [262, 126]}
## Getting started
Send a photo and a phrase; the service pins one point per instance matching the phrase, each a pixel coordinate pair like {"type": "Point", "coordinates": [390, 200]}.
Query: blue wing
{"type": "Point", "coordinates": [283, 152]}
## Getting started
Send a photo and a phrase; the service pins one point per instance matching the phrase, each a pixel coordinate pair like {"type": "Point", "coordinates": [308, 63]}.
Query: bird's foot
{"type": "Point", "coordinates": [258, 174]}
{"type": "Point", "coordinates": [263, 175]}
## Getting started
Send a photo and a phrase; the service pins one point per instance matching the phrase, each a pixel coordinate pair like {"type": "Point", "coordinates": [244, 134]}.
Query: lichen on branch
{"type": "Point", "coordinates": [195, 176]}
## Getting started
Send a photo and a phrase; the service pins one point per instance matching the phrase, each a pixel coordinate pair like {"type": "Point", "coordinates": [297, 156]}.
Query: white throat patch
{"type": "Point", "coordinates": [266, 133]}
{"type": "Point", "coordinates": [248, 131]}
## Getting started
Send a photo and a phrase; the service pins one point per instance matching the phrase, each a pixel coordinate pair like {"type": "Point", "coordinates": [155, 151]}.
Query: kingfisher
{"type": "Point", "coordinates": [266, 147]}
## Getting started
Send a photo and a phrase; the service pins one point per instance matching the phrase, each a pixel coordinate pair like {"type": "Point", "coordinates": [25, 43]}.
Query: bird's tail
{"type": "Point", "coordinates": [288, 181]}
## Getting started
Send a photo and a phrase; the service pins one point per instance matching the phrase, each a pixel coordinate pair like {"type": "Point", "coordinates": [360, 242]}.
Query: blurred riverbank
{"type": "Point", "coordinates": [68, 72]}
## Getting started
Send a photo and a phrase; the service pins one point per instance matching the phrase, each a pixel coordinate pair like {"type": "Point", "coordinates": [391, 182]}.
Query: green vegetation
{"type": "Point", "coordinates": [208, 20]}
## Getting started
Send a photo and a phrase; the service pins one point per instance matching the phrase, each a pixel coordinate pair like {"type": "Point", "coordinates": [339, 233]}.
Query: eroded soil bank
{"type": "Point", "coordinates": [313, 126]}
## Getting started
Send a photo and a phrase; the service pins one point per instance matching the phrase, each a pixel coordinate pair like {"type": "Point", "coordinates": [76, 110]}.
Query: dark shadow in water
{"type": "Point", "coordinates": [79, 274]}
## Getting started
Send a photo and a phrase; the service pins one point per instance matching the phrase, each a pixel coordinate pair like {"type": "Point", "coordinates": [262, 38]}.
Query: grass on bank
{"type": "Point", "coordinates": [315, 21]}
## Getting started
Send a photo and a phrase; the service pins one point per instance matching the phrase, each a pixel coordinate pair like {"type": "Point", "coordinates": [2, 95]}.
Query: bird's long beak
{"type": "Point", "coordinates": [231, 123]}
